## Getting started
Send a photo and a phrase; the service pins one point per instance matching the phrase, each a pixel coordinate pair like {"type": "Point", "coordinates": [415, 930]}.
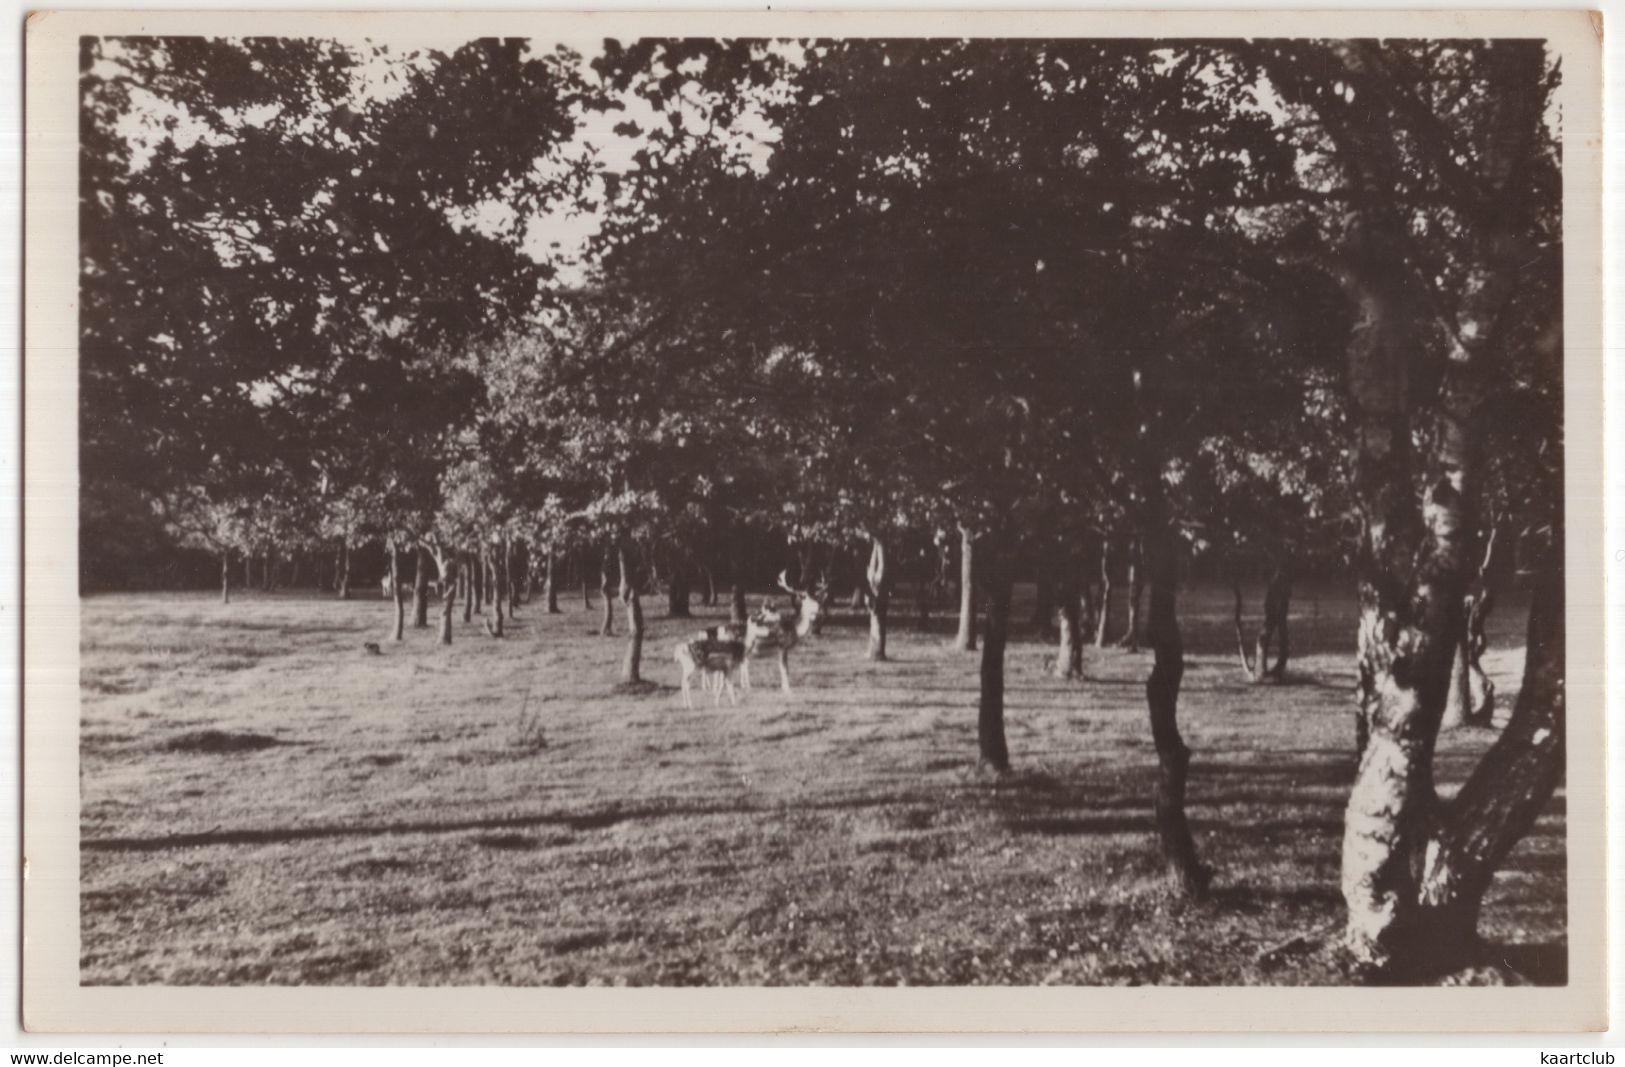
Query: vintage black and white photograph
{"type": "Point", "coordinates": [819, 510]}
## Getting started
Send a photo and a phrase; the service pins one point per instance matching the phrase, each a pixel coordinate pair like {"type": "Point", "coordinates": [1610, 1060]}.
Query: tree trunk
{"type": "Point", "coordinates": [1472, 694]}
{"type": "Point", "coordinates": [510, 582]}
{"type": "Point", "coordinates": [496, 624]}
{"type": "Point", "coordinates": [1414, 870]}
{"type": "Point", "coordinates": [879, 597]}
{"type": "Point", "coordinates": [1185, 873]}
{"type": "Point", "coordinates": [737, 610]}
{"type": "Point", "coordinates": [248, 569]}
{"type": "Point", "coordinates": [634, 615]}
{"type": "Point", "coordinates": [710, 597]}
{"type": "Point", "coordinates": [448, 600]}
{"type": "Point", "coordinates": [501, 579]}
{"type": "Point", "coordinates": [1251, 665]}
{"type": "Point", "coordinates": [1413, 570]}
{"type": "Point", "coordinates": [1277, 609]}
{"type": "Point", "coordinates": [1090, 611]}
{"type": "Point", "coordinates": [966, 639]}
{"type": "Point", "coordinates": [1458, 705]}
{"type": "Point", "coordinates": [397, 592]}
{"type": "Point", "coordinates": [266, 574]}
{"type": "Point", "coordinates": [995, 573]}
{"type": "Point", "coordinates": [225, 576]}
{"type": "Point", "coordinates": [1069, 637]}
{"type": "Point", "coordinates": [677, 594]}
{"type": "Point", "coordinates": [344, 570]}
{"type": "Point", "coordinates": [420, 590]}
{"type": "Point", "coordinates": [1500, 802]}
{"type": "Point", "coordinates": [1105, 592]}
{"type": "Point", "coordinates": [607, 588]}
{"type": "Point", "coordinates": [1043, 597]}
{"type": "Point", "coordinates": [552, 580]}
{"type": "Point", "coordinates": [465, 580]}
{"type": "Point", "coordinates": [1136, 590]}
{"type": "Point", "coordinates": [293, 571]}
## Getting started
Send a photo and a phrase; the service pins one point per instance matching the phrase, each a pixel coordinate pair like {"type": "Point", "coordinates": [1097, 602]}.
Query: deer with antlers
{"type": "Point", "coordinates": [720, 655]}
{"type": "Point", "coordinates": [781, 631]}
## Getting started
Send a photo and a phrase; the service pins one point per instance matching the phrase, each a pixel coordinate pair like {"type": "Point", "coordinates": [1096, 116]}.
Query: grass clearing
{"type": "Point", "coordinates": [264, 802]}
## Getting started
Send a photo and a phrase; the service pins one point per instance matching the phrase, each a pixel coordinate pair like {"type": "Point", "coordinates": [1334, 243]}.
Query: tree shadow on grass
{"type": "Point", "coordinates": [258, 836]}
{"type": "Point", "coordinates": [641, 688]}
{"type": "Point", "coordinates": [283, 628]}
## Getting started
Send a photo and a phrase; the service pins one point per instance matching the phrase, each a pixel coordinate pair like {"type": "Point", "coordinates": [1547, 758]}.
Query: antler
{"type": "Point", "coordinates": [784, 581]}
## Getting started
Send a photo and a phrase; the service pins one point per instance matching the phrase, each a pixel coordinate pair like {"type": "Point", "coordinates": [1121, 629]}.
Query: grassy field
{"type": "Point", "coordinates": [264, 802]}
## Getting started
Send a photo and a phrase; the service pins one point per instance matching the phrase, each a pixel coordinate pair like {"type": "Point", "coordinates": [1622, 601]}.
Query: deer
{"type": "Point", "coordinates": [713, 658]}
{"type": "Point", "coordinates": [770, 630]}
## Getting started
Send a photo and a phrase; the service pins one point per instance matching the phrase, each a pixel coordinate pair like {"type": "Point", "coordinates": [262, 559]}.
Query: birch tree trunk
{"type": "Point", "coordinates": [552, 580]}
{"type": "Point", "coordinates": [966, 639]}
{"type": "Point", "coordinates": [397, 592]}
{"type": "Point", "coordinates": [1136, 592]}
{"type": "Point", "coordinates": [1414, 870]}
{"type": "Point", "coordinates": [633, 659]}
{"type": "Point", "coordinates": [879, 596]}
{"type": "Point", "coordinates": [1277, 612]}
{"type": "Point", "coordinates": [1472, 694]}
{"type": "Point", "coordinates": [495, 625]}
{"type": "Point", "coordinates": [1253, 665]}
{"type": "Point", "coordinates": [448, 601]}
{"type": "Point", "coordinates": [1105, 592]}
{"type": "Point", "coordinates": [1069, 638]}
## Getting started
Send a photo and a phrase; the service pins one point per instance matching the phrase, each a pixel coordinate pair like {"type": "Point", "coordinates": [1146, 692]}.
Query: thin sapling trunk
{"type": "Point", "coordinates": [879, 597]}
{"type": "Point", "coordinates": [607, 588]}
{"type": "Point", "coordinates": [632, 661]}
{"type": "Point", "coordinates": [397, 592]}
{"type": "Point", "coordinates": [965, 641]}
